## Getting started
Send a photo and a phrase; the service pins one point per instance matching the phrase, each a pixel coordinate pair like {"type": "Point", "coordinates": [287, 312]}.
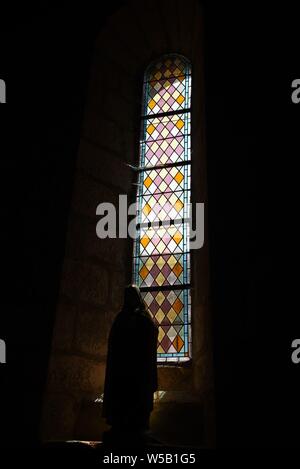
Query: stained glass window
{"type": "Point", "coordinates": [161, 266]}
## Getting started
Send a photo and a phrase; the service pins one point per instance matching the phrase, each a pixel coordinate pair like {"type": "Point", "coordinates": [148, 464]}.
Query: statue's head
{"type": "Point", "coordinates": [133, 300]}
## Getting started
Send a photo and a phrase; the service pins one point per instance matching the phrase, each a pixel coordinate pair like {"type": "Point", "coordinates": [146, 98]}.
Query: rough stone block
{"type": "Point", "coordinates": [91, 332]}
{"type": "Point", "coordinates": [59, 417]}
{"type": "Point", "coordinates": [111, 251]}
{"type": "Point", "coordinates": [90, 424]}
{"type": "Point", "coordinates": [75, 236]}
{"type": "Point", "coordinates": [70, 279]}
{"type": "Point", "coordinates": [171, 378]}
{"type": "Point", "coordinates": [75, 375]}
{"type": "Point", "coordinates": [118, 283]}
{"type": "Point", "coordinates": [178, 423]}
{"type": "Point", "coordinates": [64, 326]}
{"type": "Point", "coordinates": [93, 284]}
{"type": "Point", "coordinates": [88, 194]}
{"type": "Point", "coordinates": [105, 166]}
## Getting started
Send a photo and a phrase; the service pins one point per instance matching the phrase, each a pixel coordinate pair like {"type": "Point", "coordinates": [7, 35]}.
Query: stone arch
{"type": "Point", "coordinates": [95, 271]}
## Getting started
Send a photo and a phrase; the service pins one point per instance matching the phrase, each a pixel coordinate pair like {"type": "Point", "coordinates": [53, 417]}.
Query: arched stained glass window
{"type": "Point", "coordinates": [161, 266]}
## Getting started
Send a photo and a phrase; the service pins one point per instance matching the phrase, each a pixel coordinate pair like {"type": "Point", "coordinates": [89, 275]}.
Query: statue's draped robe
{"type": "Point", "coordinates": [131, 370]}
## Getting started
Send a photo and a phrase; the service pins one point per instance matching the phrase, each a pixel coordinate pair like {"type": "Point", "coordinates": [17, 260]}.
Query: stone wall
{"type": "Point", "coordinates": [95, 271]}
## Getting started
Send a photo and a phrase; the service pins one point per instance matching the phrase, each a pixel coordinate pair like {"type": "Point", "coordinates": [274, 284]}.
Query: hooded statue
{"type": "Point", "coordinates": [131, 370]}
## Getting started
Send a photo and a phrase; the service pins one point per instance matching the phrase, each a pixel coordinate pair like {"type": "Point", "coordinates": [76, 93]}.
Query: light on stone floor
{"type": "Point", "coordinates": [158, 395]}
{"type": "Point", "coordinates": [99, 399]}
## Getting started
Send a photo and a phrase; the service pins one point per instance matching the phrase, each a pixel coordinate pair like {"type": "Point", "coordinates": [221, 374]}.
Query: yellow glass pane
{"type": "Point", "coordinates": [177, 237]}
{"type": "Point", "coordinates": [160, 262]}
{"type": "Point", "coordinates": [171, 315]}
{"type": "Point", "coordinates": [179, 124]}
{"type": "Point", "coordinates": [148, 181]}
{"type": "Point", "coordinates": [178, 205]}
{"type": "Point", "coordinates": [146, 209]}
{"type": "Point", "coordinates": [172, 261]}
{"type": "Point", "coordinates": [152, 104]}
{"type": "Point", "coordinates": [160, 298]}
{"type": "Point", "coordinates": [177, 305]}
{"type": "Point", "coordinates": [177, 269]}
{"type": "Point", "coordinates": [160, 334]}
{"type": "Point", "coordinates": [179, 177]}
{"type": "Point", "coordinates": [145, 240]}
{"type": "Point", "coordinates": [159, 315]}
{"type": "Point", "coordinates": [180, 99]}
{"type": "Point", "coordinates": [149, 263]}
{"type": "Point", "coordinates": [144, 272]}
{"type": "Point", "coordinates": [160, 279]}
{"type": "Point", "coordinates": [178, 343]}
{"type": "Point", "coordinates": [150, 129]}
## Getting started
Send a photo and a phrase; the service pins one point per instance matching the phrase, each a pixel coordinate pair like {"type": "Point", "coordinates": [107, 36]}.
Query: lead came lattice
{"type": "Point", "coordinates": [161, 265]}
